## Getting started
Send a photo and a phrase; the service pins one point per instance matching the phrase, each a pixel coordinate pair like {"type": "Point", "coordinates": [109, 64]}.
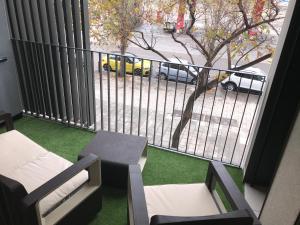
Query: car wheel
{"type": "Point", "coordinates": [230, 86]}
{"type": "Point", "coordinates": [106, 67]}
{"type": "Point", "coordinates": [162, 76]}
{"type": "Point", "coordinates": [137, 72]}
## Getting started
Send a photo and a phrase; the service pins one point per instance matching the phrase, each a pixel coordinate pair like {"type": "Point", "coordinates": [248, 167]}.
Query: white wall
{"type": "Point", "coordinates": [283, 202]}
{"type": "Point", "coordinates": [9, 90]}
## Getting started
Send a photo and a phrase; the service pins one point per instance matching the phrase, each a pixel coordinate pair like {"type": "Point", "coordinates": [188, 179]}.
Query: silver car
{"type": "Point", "coordinates": [177, 72]}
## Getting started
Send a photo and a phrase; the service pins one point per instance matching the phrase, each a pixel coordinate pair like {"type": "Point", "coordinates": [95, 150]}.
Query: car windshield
{"type": "Point", "coordinates": [192, 69]}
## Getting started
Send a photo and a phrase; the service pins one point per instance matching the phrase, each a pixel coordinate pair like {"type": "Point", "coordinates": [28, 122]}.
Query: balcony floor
{"type": "Point", "coordinates": [162, 167]}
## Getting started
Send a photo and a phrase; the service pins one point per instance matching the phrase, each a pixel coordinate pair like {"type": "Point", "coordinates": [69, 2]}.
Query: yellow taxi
{"type": "Point", "coordinates": [133, 64]}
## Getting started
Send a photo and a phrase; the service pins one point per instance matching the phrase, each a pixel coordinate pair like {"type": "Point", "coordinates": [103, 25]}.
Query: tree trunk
{"type": "Point", "coordinates": [202, 86]}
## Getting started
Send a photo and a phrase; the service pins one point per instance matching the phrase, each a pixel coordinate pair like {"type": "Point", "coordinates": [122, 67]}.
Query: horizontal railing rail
{"type": "Point", "coordinates": [195, 110]}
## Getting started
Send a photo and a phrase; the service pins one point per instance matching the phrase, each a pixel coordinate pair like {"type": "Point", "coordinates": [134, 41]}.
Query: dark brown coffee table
{"type": "Point", "coordinates": [117, 152]}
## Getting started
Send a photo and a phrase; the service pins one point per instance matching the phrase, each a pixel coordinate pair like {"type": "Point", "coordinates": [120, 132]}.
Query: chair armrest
{"type": "Point", "coordinates": [7, 120]}
{"type": "Point", "coordinates": [90, 162]}
{"type": "Point", "coordinates": [241, 217]}
{"type": "Point", "coordinates": [217, 172]}
{"type": "Point", "coordinates": [137, 207]}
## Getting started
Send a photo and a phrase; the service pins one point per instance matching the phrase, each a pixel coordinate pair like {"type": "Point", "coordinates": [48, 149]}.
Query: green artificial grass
{"type": "Point", "coordinates": [162, 167]}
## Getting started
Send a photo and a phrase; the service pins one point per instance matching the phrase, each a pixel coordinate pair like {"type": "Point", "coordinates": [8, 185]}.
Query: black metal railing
{"type": "Point", "coordinates": [149, 97]}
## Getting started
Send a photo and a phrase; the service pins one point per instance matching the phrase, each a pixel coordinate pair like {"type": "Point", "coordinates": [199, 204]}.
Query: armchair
{"type": "Point", "coordinates": [38, 187]}
{"type": "Point", "coordinates": [187, 204]}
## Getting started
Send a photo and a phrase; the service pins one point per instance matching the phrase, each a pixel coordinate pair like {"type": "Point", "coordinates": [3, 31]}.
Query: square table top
{"type": "Point", "coordinates": [116, 147]}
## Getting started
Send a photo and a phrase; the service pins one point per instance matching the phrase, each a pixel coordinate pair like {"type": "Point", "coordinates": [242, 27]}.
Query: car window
{"type": "Point", "coordinates": [174, 66]}
{"type": "Point", "coordinates": [129, 60]}
{"type": "Point", "coordinates": [165, 64]}
{"type": "Point", "coordinates": [258, 77]}
{"type": "Point", "coordinates": [115, 57]}
{"type": "Point", "coordinates": [238, 74]}
{"type": "Point", "coordinates": [248, 76]}
{"type": "Point", "coordinates": [181, 67]}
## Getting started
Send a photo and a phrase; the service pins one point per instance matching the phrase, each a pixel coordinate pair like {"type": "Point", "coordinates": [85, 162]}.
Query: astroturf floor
{"type": "Point", "coordinates": [162, 167]}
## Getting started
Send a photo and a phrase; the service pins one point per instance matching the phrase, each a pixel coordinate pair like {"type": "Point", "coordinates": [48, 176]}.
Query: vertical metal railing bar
{"type": "Point", "coordinates": [58, 76]}
{"type": "Point", "coordinates": [244, 110]}
{"type": "Point", "coordinates": [23, 82]}
{"type": "Point", "coordinates": [148, 100]}
{"type": "Point", "coordinates": [140, 100]}
{"type": "Point", "coordinates": [76, 16]}
{"type": "Point", "coordinates": [220, 121]}
{"type": "Point", "coordinates": [124, 97]}
{"type": "Point", "coordinates": [174, 102]}
{"type": "Point", "coordinates": [30, 77]}
{"type": "Point", "coordinates": [192, 109]}
{"type": "Point", "coordinates": [22, 34]}
{"type": "Point", "coordinates": [212, 109]}
{"type": "Point", "coordinates": [45, 97]}
{"type": "Point", "coordinates": [254, 113]}
{"type": "Point", "coordinates": [101, 90]}
{"type": "Point", "coordinates": [39, 48]}
{"type": "Point", "coordinates": [44, 79]}
{"type": "Point", "coordinates": [60, 21]}
{"type": "Point", "coordinates": [132, 96]}
{"type": "Point", "coordinates": [72, 119]}
{"type": "Point", "coordinates": [87, 86]}
{"type": "Point", "coordinates": [183, 102]}
{"type": "Point", "coordinates": [108, 90]}
{"type": "Point", "coordinates": [117, 59]}
{"type": "Point", "coordinates": [200, 116]}
{"type": "Point", "coordinates": [79, 90]}
{"type": "Point", "coordinates": [69, 33]}
{"type": "Point", "coordinates": [233, 109]}
{"type": "Point", "coordinates": [35, 80]}
{"type": "Point", "coordinates": [14, 31]}
{"type": "Point", "coordinates": [48, 53]}
{"type": "Point", "coordinates": [156, 104]}
{"type": "Point", "coordinates": [28, 34]}
{"type": "Point", "coordinates": [60, 83]}
{"type": "Point", "coordinates": [53, 93]}
{"type": "Point", "coordinates": [44, 70]}
{"type": "Point", "coordinates": [86, 45]}
{"type": "Point", "coordinates": [94, 92]}
{"type": "Point", "coordinates": [164, 110]}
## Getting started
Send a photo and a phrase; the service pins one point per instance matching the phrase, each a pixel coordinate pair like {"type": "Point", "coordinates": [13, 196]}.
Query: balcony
{"type": "Point", "coordinates": [160, 167]}
{"type": "Point", "coordinates": [151, 98]}
{"type": "Point", "coordinates": [64, 83]}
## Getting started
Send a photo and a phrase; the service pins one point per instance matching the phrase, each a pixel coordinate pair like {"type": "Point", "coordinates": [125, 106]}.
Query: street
{"type": "Point", "coordinates": [220, 122]}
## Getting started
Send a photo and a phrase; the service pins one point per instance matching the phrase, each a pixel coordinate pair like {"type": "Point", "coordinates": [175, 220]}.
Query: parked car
{"type": "Point", "coordinates": [133, 64]}
{"type": "Point", "coordinates": [177, 72]}
{"type": "Point", "coordinates": [248, 79]}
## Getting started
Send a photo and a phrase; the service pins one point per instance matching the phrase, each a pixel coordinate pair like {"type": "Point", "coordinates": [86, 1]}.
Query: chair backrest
{"type": "Point", "coordinates": [11, 195]}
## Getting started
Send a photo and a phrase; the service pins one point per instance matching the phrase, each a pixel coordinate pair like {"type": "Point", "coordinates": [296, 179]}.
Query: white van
{"type": "Point", "coordinates": [248, 79]}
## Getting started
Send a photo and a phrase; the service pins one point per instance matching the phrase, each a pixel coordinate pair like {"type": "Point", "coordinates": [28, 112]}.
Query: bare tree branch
{"type": "Point", "coordinates": [241, 7]}
{"type": "Point", "coordinates": [184, 46]}
{"type": "Point", "coordinates": [258, 60]}
{"type": "Point", "coordinates": [188, 31]}
{"type": "Point", "coordinates": [148, 47]}
{"type": "Point", "coordinates": [249, 50]}
{"type": "Point", "coordinates": [237, 33]}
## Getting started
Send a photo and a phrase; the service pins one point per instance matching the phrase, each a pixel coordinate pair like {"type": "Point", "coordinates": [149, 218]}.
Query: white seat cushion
{"type": "Point", "coordinates": [180, 200]}
{"type": "Point", "coordinates": [31, 165]}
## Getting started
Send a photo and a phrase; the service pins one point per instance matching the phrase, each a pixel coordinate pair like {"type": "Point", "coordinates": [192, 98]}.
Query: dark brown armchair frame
{"type": "Point", "coordinates": [17, 207]}
{"type": "Point", "coordinates": [242, 214]}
